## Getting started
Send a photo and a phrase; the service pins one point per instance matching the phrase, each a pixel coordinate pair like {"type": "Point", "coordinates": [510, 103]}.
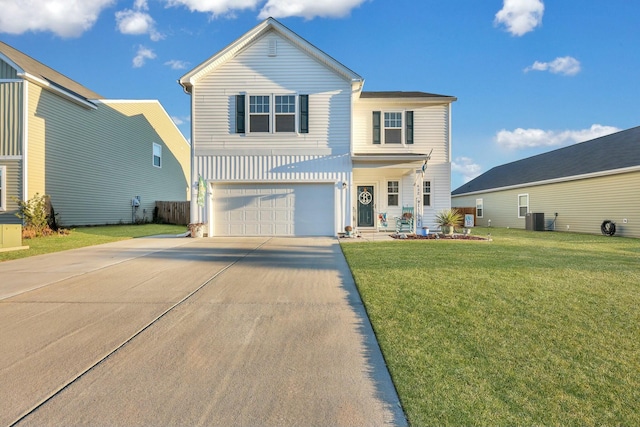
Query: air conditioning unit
{"type": "Point", "coordinates": [534, 221]}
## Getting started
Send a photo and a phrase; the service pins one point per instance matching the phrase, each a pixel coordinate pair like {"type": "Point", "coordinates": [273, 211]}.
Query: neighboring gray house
{"type": "Point", "coordinates": [288, 143]}
{"type": "Point", "coordinates": [577, 188]}
{"type": "Point", "coordinates": [91, 155]}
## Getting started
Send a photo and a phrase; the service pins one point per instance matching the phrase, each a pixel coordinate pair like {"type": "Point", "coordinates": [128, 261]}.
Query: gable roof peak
{"type": "Point", "coordinates": [270, 24]}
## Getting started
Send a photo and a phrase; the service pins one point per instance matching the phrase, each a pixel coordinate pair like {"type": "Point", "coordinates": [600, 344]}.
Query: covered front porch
{"type": "Point", "coordinates": [388, 192]}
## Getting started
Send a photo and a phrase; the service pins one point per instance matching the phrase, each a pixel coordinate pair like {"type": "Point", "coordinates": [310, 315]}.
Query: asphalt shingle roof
{"type": "Point", "coordinates": [400, 94]}
{"type": "Point", "coordinates": [39, 70]}
{"type": "Point", "coordinates": [615, 151]}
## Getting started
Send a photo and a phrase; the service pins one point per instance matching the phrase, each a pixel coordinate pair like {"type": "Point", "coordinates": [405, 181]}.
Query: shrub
{"type": "Point", "coordinates": [37, 215]}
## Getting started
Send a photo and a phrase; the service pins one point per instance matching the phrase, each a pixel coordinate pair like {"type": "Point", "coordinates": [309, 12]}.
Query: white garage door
{"type": "Point", "coordinates": [273, 209]}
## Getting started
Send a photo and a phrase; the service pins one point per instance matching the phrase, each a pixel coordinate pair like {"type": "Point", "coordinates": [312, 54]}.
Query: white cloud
{"type": "Point", "coordinates": [566, 65]}
{"type": "Point", "coordinates": [466, 167]}
{"type": "Point", "coordinates": [64, 18]}
{"type": "Point", "coordinates": [520, 16]}
{"type": "Point", "coordinates": [177, 64]}
{"type": "Point", "coordinates": [142, 55]}
{"type": "Point", "coordinates": [532, 138]}
{"type": "Point", "coordinates": [180, 120]}
{"type": "Point", "coordinates": [308, 9]}
{"type": "Point", "coordinates": [138, 21]}
{"type": "Point", "coordinates": [215, 7]}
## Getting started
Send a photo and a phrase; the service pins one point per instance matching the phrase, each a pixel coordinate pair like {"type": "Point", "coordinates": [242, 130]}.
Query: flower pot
{"type": "Point", "coordinates": [447, 229]}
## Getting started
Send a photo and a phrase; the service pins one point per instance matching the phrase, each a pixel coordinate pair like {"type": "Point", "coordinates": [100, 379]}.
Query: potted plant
{"type": "Point", "coordinates": [196, 229]}
{"type": "Point", "coordinates": [448, 219]}
{"type": "Point", "coordinates": [348, 229]}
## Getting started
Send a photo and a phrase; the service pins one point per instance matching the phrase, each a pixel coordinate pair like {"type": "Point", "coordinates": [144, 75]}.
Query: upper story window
{"type": "Point", "coordinates": [393, 127]}
{"type": "Point", "coordinates": [285, 113]}
{"type": "Point", "coordinates": [3, 174]}
{"type": "Point", "coordinates": [157, 155]}
{"type": "Point", "coordinates": [393, 189]}
{"type": "Point", "coordinates": [272, 113]}
{"type": "Point", "coordinates": [259, 116]}
{"type": "Point", "coordinates": [426, 193]}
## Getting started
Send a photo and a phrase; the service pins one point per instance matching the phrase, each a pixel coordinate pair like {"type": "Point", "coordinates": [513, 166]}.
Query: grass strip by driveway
{"type": "Point", "coordinates": [532, 328]}
{"type": "Point", "coordinates": [88, 236]}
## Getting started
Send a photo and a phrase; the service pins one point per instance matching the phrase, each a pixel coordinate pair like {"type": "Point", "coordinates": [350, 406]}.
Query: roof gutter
{"type": "Point", "coordinates": [67, 95]}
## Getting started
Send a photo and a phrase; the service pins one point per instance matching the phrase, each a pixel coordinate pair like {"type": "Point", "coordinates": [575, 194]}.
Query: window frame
{"type": "Point", "coordinates": [480, 202]}
{"type": "Point", "coordinates": [277, 114]}
{"type": "Point", "coordinates": [268, 114]}
{"type": "Point", "coordinates": [154, 156]}
{"type": "Point", "coordinates": [3, 188]}
{"type": "Point", "coordinates": [392, 193]}
{"type": "Point", "coordinates": [386, 118]}
{"type": "Point", "coordinates": [424, 193]}
{"type": "Point", "coordinates": [523, 206]}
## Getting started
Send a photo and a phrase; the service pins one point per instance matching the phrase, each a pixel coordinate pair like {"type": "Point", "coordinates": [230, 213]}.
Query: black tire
{"type": "Point", "coordinates": [608, 228]}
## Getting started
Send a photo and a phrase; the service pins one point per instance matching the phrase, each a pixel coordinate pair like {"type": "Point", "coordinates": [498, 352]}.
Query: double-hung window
{"type": "Point", "coordinates": [392, 127]}
{"type": "Point", "coordinates": [479, 208]}
{"type": "Point", "coordinates": [523, 205]}
{"type": "Point", "coordinates": [426, 193]}
{"type": "Point", "coordinates": [3, 175]}
{"type": "Point", "coordinates": [393, 190]}
{"type": "Point", "coordinates": [272, 114]}
{"type": "Point", "coordinates": [157, 155]}
{"type": "Point", "coordinates": [259, 116]}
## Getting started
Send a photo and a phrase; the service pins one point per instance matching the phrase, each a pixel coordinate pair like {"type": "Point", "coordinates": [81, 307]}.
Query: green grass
{"type": "Point", "coordinates": [88, 236]}
{"type": "Point", "coordinates": [532, 328]}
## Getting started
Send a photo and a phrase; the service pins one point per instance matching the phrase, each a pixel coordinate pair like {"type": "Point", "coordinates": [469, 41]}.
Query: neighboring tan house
{"type": "Point", "coordinates": [91, 155]}
{"type": "Point", "coordinates": [575, 188]}
{"type": "Point", "coordinates": [287, 142]}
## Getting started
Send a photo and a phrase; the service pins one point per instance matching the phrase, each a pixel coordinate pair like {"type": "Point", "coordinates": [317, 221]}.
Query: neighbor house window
{"type": "Point", "coordinates": [523, 205]}
{"type": "Point", "coordinates": [3, 174]}
{"type": "Point", "coordinates": [285, 113]}
{"type": "Point", "coordinates": [259, 113]}
{"type": "Point", "coordinates": [479, 208]}
{"type": "Point", "coordinates": [393, 188]}
{"type": "Point", "coordinates": [157, 155]}
{"type": "Point", "coordinates": [426, 193]}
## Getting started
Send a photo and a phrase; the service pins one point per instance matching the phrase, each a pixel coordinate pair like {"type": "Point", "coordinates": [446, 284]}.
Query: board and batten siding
{"type": "Point", "coordinates": [11, 118]}
{"type": "Point", "coordinates": [582, 205]}
{"type": "Point", "coordinates": [96, 161]}
{"type": "Point", "coordinates": [253, 72]}
{"type": "Point", "coordinates": [13, 182]}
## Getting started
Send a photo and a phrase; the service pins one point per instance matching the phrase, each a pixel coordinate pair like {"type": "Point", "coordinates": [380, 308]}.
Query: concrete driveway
{"type": "Point", "coordinates": [167, 331]}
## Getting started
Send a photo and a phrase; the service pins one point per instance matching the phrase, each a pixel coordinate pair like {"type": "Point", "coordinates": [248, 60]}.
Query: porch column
{"type": "Point", "coordinates": [417, 200]}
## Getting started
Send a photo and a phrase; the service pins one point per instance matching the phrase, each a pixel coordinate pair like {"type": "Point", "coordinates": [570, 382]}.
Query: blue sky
{"type": "Point", "coordinates": [530, 75]}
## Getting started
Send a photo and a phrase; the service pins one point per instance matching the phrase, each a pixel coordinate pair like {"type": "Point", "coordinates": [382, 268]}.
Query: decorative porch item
{"type": "Point", "coordinates": [196, 229]}
{"type": "Point", "coordinates": [448, 219]}
{"type": "Point", "coordinates": [348, 229]}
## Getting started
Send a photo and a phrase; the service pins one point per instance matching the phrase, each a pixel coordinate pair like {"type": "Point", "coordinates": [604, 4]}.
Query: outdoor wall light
{"type": "Point", "coordinates": [344, 185]}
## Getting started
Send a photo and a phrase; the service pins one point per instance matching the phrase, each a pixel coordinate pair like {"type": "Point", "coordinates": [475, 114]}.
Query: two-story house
{"type": "Point", "coordinates": [288, 143]}
{"type": "Point", "coordinates": [99, 160]}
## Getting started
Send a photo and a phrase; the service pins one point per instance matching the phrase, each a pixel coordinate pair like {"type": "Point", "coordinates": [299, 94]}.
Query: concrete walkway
{"type": "Point", "coordinates": [253, 331]}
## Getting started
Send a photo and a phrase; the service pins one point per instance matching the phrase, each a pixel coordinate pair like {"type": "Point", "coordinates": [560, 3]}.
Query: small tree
{"type": "Point", "coordinates": [35, 215]}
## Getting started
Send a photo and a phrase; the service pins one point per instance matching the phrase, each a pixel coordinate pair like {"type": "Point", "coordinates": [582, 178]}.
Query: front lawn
{"type": "Point", "coordinates": [532, 328]}
{"type": "Point", "coordinates": [88, 236]}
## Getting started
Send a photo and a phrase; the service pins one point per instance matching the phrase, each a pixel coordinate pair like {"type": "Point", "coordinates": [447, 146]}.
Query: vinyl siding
{"type": "Point", "coordinates": [11, 118]}
{"type": "Point", "coordinates": [582, 205]}
{"type": "Point", "coordinates": [7, 71]}
{"type": "Point", "coordinates": [13, 182]}
{"type": "Point", "coordinates": [253, 72]}
{"type": "Point", "coordinates": [96, 161]}
{"type": "Point", "coordinates": [440, 196]}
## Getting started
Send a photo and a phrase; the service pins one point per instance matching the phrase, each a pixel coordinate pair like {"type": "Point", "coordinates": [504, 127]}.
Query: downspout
{"type": "Point", "coordinates": [195, 211]}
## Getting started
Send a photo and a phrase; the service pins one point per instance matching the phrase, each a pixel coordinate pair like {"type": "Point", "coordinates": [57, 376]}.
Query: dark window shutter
{"type": "Point", "coordinates": [408, 132]}
{"type": "Point", "coordinates": [376, 127]}
{"type": "Point", "coordinates": [240, 114]}
{"type": "Point", "coordinates": [304, 113]}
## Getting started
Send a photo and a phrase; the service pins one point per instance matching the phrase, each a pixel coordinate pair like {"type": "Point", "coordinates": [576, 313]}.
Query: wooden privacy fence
{"type": "Point", "coordinates": [464, 211]}
{"type": "Point", "coordinates": [173, 212]}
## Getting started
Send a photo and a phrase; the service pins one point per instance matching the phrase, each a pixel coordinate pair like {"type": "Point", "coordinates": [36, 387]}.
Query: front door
{"type": "Point", "coordinates": [365, 206]}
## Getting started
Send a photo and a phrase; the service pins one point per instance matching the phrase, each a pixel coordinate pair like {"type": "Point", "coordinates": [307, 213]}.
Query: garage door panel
{"type": "Point", "coordinates": [252, 209]}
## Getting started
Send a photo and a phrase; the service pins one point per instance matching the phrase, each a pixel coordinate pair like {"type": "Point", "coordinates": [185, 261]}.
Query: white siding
{"type": "Point", "coordinates": [253, 72]}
